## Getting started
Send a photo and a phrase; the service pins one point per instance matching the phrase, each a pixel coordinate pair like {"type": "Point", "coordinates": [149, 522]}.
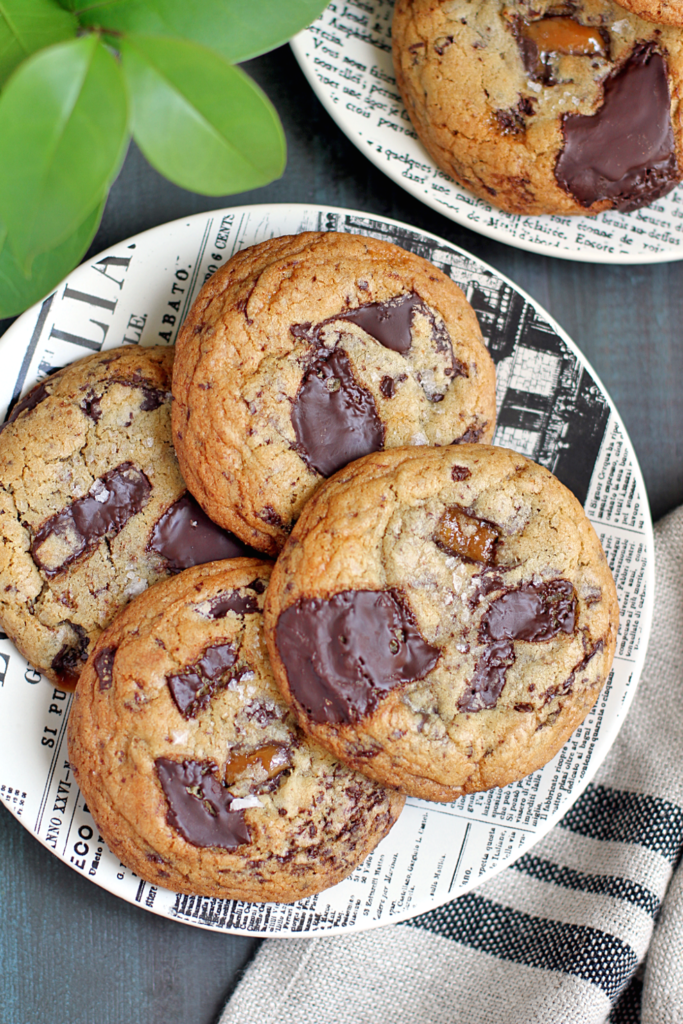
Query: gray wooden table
{"type": "Point", "coordinates": [71, 953]}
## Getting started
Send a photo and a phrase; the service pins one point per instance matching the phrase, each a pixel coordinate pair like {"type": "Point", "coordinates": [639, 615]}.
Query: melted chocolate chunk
{"type": "Point", "coordinates": [193, 689]}
{"type": "Point", "coordinates": [29, 401]}
{"type": "Point", "coordinates": [625, 151]}
{"type": "Point", "coordinates": [36, 395]}
{"type": "Point", "coordinates": [388, 322]}
{"type": "Point", "coordinates": [153, 397]}
{"type": "Point", "coordinates": [185, 536]}
{"type": "Point", "coordinates": [471, 435]}
{"type": "Point", "coordinates": [335, 419]}
{"type": "Point", "coordinates": [568, 684]}
{"type": "Point", "coordinates": [461, 534]}
{"type": "Point", "coordinates": [534, 611]}
{"type": "Point", "coordinates": [460, 473]}
{"type": "Point", "coordinates": [104, 667]}
{"type": "Point", "coordinates": [343, 654]}
{"type": "Point", "coordinates": [199, 806]}
{"type": "Point", "coordinates": [66, 662]}
{"type": "Point", "coordinates": [270, 516]}
{"type": "Point", "coordinates": [258, 586]}
{"type": "Point", "coordinates": [488, 680]}
{"type": "Point", "coordinates": [91, 407]}
{"type": "Point", "coordinates": [486, 581]}
{"type": "Point", "coordinates": [233, 602]}
{"type": "Point", "coordinates": [387, 386]}
{"type": "Point", "coordinates": [112, 500]}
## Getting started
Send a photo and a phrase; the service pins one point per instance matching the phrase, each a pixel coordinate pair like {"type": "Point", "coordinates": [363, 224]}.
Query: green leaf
{"type": "Point", "coordinates": [237, 29]}
{"type": "Point", "coordinates": [18, 292]}
{"type": "Point", "coordinates": [63, 132]}
{"type": "Point", "coordinates": [27, 26]}
{"type": "Point", "coordinates": [199, 121]}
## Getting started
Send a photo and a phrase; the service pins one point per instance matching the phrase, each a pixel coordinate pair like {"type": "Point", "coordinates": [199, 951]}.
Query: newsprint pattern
{"type": "Point", "coordinates": [551, 408]}
{"type": "Point", "coordinates": [346, 57]}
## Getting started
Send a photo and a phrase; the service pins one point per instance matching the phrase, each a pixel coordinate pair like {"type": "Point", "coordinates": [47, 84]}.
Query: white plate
{"type": "Point", "coordinates": [346, 57]}
{"type": "Point", "coordinates": [551, 408]}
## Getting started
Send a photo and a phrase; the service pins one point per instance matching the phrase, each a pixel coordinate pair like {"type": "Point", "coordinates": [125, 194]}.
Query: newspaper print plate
{"type": "Point", "coordinates": [551, 407]}
{"type": "Point", "coordinates": [346, 57]}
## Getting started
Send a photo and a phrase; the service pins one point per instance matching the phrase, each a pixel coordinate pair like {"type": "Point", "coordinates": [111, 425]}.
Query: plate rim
{"type": "Point", "coordinates": [647, 613]}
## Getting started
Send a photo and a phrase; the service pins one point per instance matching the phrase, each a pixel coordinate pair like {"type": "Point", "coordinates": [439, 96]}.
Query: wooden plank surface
{"type": "Point", "coordinates": [71, 953]}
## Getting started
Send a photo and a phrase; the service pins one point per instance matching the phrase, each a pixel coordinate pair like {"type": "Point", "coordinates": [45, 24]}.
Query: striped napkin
{"type": "Point", "coordinates": [586, 928]}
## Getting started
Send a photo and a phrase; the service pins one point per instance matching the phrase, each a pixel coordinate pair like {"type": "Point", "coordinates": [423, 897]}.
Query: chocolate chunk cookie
{"type": "Point", "coordinates": [544, 108]}
{"type": "Point", "coordinates": [442, 619]}
{"type": "Point", "coordinates": [92, 505]}
{"type": "Point", "coordinates": [191, 762]}
{"type": "Point", "coordinates": [306, 352]}
{"type": "Point", "coordinates": [663, 12]}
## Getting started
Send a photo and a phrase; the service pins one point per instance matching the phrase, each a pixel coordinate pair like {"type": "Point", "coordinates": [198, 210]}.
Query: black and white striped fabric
{"type": "Point", "coordinates": [585, 929]}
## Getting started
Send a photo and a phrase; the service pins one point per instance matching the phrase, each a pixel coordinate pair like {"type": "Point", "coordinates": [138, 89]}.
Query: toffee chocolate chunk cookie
{"type": "Point", "coordinates": [540, 108]}
{"type": "Point", "coordinates": [442, 619]}
{"type": "Point", "coordinates": [192, 764]}
{"type": "Point", "coordinates": [92, 505]}
{"type": "Point", "coordinates": [306, 352]}
{"type": "Point", "coordinates": [663, 12]}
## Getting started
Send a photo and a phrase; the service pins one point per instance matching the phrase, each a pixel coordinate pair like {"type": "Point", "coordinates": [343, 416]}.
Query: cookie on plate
{"type": "Point", "coordinates": [192, 764]}
{"type": "Point", "coordinates": [92, 505]}
{"type": "Point", "coordinates": [442, 619]}
{"type": "Point", "coordinates": [308, 351]}
{"type": "Point", "coordinates": [663, 12]}
{"type": "Point", "coordinates": [569, 109]}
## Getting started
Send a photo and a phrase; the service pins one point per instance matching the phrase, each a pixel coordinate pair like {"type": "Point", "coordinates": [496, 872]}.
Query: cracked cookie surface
{"type": "Point", "coordinates": [191, 762]}
{"type": "Point", "coordinates": [92, 505]}
{"type": "Point", "coordinates": [308, 351]}
{"type": "Point", "coordinates": [442, 619]}
{"type": "Point", "coordinates": [662, 12]}
{"type": "Point", "coordinates": [569, 108]}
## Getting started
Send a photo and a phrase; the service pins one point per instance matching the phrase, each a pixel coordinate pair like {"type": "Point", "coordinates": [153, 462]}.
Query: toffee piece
{"type": "Point", "coordinates": [93, 505]}
{"type": "Point", "coordinates": [545, 109]}
{"type": "Point", "coordinates": [306, 352]}
{"type": "Point", "coordinates": [191, 762]}
{"type": "Point", "coordinates": [442, 619]}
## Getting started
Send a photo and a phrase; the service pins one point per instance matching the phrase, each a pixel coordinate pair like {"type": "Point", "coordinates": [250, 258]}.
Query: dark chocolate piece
{"type": "Point", "coordinates": [471, 435]}
{"type": "Point", "coordinates": [258, 586]}
{"type": "Point", "coordinates": [185, 536]}
{"type": "Point", "coordinates": [91, 407]}
{"type": "Point", "coordinates": [112, 500]}
{"type": "Point", "coordinates": [153, 397]}
{"type": "Point", "coordinates": [486, 581]}
{"type": "Point", "coordinates": [568, 684]}
{"type": "Point", "coordinates": [625, 151]}
{"type": "Point", "coordinates": [388, 322]}
{"type": "Point", "coordinates": [36, 395]}
{"type": "Point", "coordinates": [460, 473]}
{"type": "Point", "coordinates": [488, 680]}
{"type": "Point", "coordinates": [534, 611]}
{"type": "Point", "coordinates": [387, 386]}
{"type": "Point", "coordinates": [66, 661]}
{"type": "Point", "coordinates": [103, 663]}
{"type": "Point", "coordinates": [343, 654]}
{"type": "Point", "coordinates": [462, 534]}
{"type": "Point", "coordinates": [29, 401]}
{"type": "Point", "coordinates": [231, 602]}
{"type": "Point", "coordinates": [193, 688]}
{"type": "Point", "coordinates": [199, 806]}
{"type": "Point", "coordinates": [335, 419]}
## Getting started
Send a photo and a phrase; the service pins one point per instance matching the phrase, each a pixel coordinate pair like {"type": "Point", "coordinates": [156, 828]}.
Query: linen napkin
{"type": "Point", "coordinates": [560, 937]}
